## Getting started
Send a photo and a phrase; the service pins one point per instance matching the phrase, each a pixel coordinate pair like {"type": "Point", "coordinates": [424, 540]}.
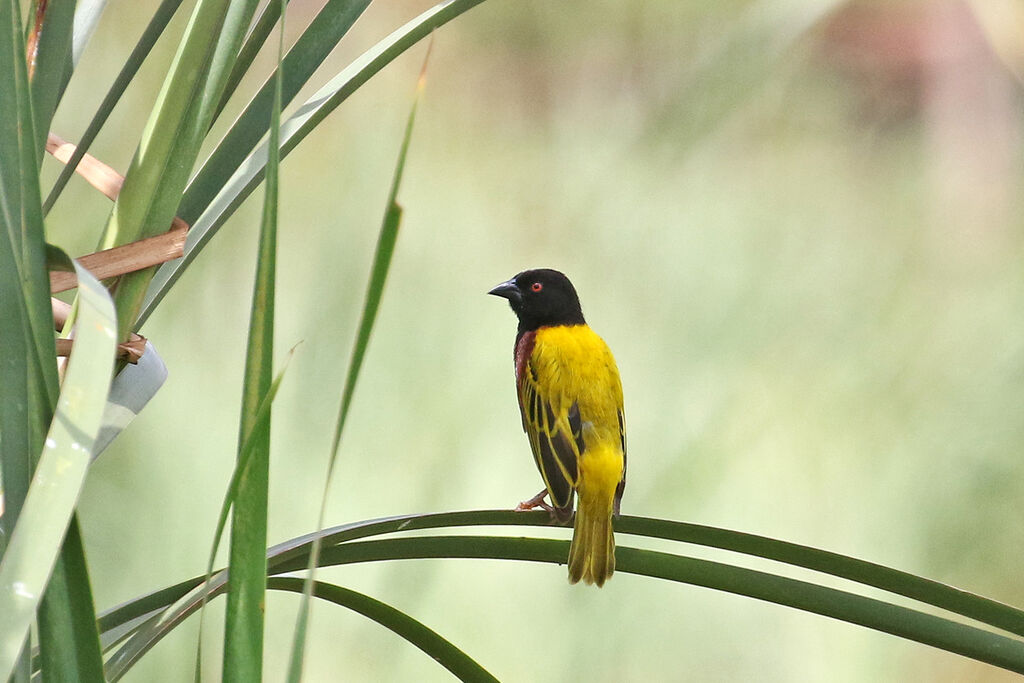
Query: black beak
{"type": "Point", "coordinates": [508, 290]}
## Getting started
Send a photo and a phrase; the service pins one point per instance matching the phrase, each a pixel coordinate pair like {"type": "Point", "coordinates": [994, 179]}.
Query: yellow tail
{"type": "Point", "coordinates": [592, 553]}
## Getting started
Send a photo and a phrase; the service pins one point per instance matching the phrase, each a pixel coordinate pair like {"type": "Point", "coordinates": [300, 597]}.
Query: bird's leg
{"type": "Point", "coordinates": [536, 502]}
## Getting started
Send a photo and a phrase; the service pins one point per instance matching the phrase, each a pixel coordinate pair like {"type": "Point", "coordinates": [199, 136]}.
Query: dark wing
{"type": "Point", "coordinates": [556, 437]}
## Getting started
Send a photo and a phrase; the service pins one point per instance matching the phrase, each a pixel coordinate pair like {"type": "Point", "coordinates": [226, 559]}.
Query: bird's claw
{"type": "Point", "coordinates": [536, 502]}
{"type": "Point", "coordinates": [528, 505]}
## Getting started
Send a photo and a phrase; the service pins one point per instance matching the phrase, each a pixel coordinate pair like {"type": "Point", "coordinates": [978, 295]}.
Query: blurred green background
{"type": "Point", "coordinates": [797, 224]}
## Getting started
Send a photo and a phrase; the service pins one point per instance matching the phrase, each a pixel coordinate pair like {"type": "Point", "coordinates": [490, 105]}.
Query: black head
{"type": "Point", "coordinates": [541, 298]}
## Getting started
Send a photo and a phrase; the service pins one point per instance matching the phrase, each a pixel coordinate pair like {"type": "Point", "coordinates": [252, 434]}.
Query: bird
{"type": "Point", "coordinates": [570, 400]}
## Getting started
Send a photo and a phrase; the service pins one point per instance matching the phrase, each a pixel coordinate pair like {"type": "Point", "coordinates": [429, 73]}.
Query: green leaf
{"type": "Point", "coordinates": [28, 385]}
{"type": "Point", "coordinates": [172, 138]}
{"type": "Point", "coordinates": [378, 274]}
{"type": "Point", "coordinates": [969, 641]}
{"type": "Point", "coordinates": [894, 581]}
{"type": "Point", "coordinates": [153, 31]}
{"type": "Point", "coordinates": [87, 15]}
{"type": "Point", "coordinates": [318, 40]}
{"type": "Point", "coordinates": [69, 641]}
{"type": "Point", "coordinates": [940, 595]}
{"type": "Point", "coordinates": [36, 540]}
{"type": "Point", "coordinates": [52, 65]}
{"type": "Point", "coordinates": [29, 396]}
{"type": "Point", "coordinates": [250, 48]}
{"type": "Point", "coordinates": [252, 440]}
{"type": "Point", "coordinates": [144, 607]}
{"type": "Point", "coordinates": [933, 593]}
{"type": "Point", "coordinates": [66, 619]}
{"type": "Point", "coordinates": [414, 632]}
{"type": "Point", "coordinates": [375, 290]}
{"type": "Point", "coordinates": [293, 555]}
{"type": "Point", "coordinates": [243, 632]}
{"type": "Point", "coordinates": [250, 173]}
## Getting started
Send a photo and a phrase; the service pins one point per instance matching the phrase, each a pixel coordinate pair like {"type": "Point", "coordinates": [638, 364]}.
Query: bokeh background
{"type": "Point", "coordinates": [798, 225]}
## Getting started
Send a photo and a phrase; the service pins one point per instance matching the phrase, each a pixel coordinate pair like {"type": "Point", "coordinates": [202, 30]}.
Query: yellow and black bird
{"type": "Point", "coordinates": [570, 398]}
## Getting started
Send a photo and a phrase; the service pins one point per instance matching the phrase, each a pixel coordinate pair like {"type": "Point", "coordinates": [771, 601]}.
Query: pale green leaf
{"type": "Point", "coordinates": [60, 473]}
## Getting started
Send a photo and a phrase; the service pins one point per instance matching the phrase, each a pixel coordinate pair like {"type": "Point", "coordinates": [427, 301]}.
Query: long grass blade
{"type": "Point", "coordinates": [50, 65]}
{"type": "Point", "coordinates": [243, 632]}
{"type": "Point", "coordinates": [28, 385]}
{"type": "Point", "coordinates": [69, 642]}
{"type": "Point", "coordinates": [172, 137]}
{"type": "Point", "coordinates": [930, 592]}
{"type": "Point", "coordinates": [145, 613]}
{"type": "Point", "coordinates": [293, 555]}
{"type": "Point", "coordinates": [375, 290]}
{"type": "Point", "coordinates": [258, 34]}
{"type": "Point", "coordinates": [318, 40]}
{"type": "Point", "coordinates": [378, 274]}
{"type": "Point", "coordinates": [440, 650]}
{"type": "Point", "coordinates": [972, 606]}
{"type": "Point", "coordinates": [36, 540]}
{"type": "Point", "coordinates": [250, 173]}
{"type": "Point", "coordinates": [16, 425]}
{"type": "Point", "coordinates": [253, 439]}
{"type": "Point", "coordinates": [87, 15]}
{"type": "Point", "coordinates": [984, 610]}
{"type": "Point", "coordinates": [142, 48]}
{"type": "Point", "coordinates": [939, 632]}
{"type": "Point", "coordinates": [145, 606]}
{"type": "Point", "coordinates": [928, 629]}
{"type": "Point", "coordinates": [29, 404]}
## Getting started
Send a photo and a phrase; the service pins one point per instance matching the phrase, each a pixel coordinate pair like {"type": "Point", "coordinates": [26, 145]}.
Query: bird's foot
{"type": "Point", "coordinates": [536, 502]}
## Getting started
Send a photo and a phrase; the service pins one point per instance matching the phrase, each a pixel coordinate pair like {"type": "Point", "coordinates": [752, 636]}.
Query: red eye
{"type": "Point", "coordinates": [536, 286]}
